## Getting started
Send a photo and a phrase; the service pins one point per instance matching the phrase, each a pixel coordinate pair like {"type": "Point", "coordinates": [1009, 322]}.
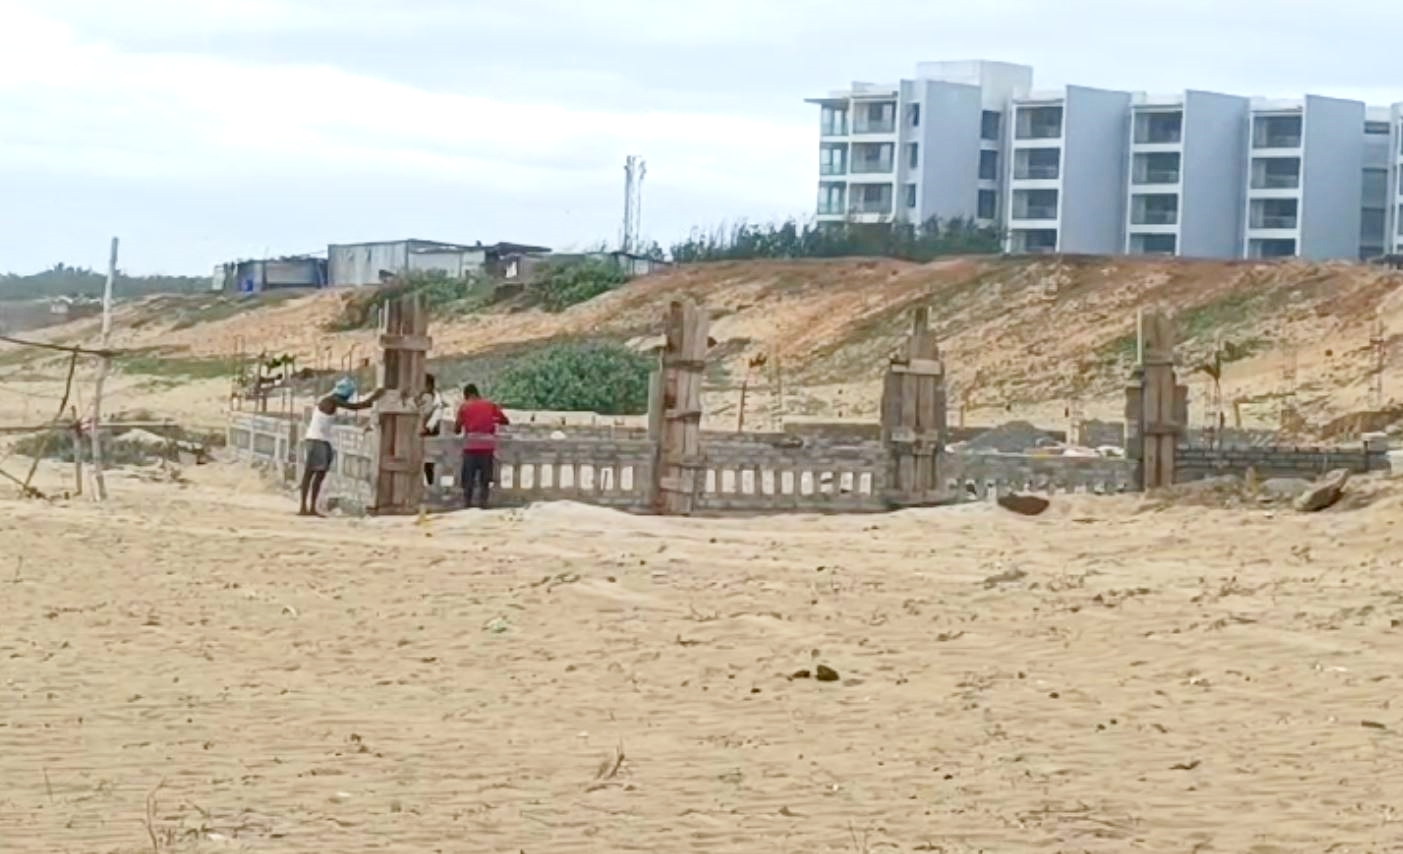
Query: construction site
{"type": "Point", "coordinates": [782, 605]}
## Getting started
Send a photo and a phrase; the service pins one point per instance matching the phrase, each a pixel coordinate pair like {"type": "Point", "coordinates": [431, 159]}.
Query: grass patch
{"type": "Point", "coordinates": [1118, 350]}
{"type": "Point", "coordinates": [1231, 309]}
{"type": "Point", "coordinates": [195, 311]}
{"type": "Point", "coordinates": [441, 295]}
{"type": "Point", "coordinates": [154, 363]}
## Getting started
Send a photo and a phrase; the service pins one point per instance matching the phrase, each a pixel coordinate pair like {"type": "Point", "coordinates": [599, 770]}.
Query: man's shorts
{"type": "Point", "coordinates": [319, 455]}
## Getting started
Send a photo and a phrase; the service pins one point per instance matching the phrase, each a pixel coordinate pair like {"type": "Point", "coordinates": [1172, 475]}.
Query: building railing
{"type": "Point", "coordinates": [1277, 141]}
{"type": "Point", "coordinates": [832, 168]}
{"type": "Point", "coordinates": [834, 129]}
{"type": "Point", "coordinates": [830, 208]}
{"type": "Point", "coordinates": [1048, 131]}
{"type": "Point", "coordinates": [1036, 173]}
{"type": "Point", "coordinates": [1036, 212]}
{"type": "Point", "coordinates": [863, 127]}
{"type": "Point", "coordinates": [1173, 137]}
{"type": "Point", "coordinates": [1276, 182]}
{"type": "Point", "coordinates": [1155, 217]}
{"type": "Point", "coordinates": [1266, 221]}
{"type": "Point", "coordinates": [1158, 176]}
{"type": "Point", "coordinates": [872, 167]}
{"type": "Point", "coordinates": [861, 207]}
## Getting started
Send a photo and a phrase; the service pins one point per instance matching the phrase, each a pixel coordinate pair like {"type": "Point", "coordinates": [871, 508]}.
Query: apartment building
{"type": "Point", "coordinates": [1085, 170]}
{"type": "Point", "coordinates": [921, 148]}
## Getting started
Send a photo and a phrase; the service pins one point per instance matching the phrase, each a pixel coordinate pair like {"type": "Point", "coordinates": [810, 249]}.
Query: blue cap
{"type": "Point", "coordinates": [345, 388]}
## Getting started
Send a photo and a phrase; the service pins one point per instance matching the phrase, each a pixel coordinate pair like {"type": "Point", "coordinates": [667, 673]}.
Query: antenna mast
{"type": "Point", "coordinates": [635, 169]}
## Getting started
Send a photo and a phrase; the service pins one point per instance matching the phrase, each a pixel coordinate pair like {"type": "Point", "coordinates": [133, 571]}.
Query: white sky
{"type": "Point", "coordinates": [201, 130]}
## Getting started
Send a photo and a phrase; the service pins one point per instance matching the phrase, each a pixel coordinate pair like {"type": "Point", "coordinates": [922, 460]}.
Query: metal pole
{"type": "Point", "coordinates": [99, 483]}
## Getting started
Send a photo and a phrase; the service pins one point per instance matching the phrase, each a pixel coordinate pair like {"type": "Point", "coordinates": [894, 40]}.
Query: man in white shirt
{"type": "Point", "coordinates": [317, 440]}
{"type": "Point", "coordinates": [431, 409]}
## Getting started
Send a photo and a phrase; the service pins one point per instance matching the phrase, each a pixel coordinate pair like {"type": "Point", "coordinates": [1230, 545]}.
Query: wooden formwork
{"type": "Point", "coordinates": [404, 339]}
{"type": "Point", "coordinates": [1156, 406]}
{"type": "Point", "coordinates": [675, 410]}
{"type": "Point", "coordinates": [913, 418]}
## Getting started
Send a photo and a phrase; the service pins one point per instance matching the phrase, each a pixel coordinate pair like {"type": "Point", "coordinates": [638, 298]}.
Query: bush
{"type": "Point", "coordinates": [564, 285]}
{"type": "Point", "coordinates": [925, 242]}
{"type": "Point", "coordinates": [606, 378]}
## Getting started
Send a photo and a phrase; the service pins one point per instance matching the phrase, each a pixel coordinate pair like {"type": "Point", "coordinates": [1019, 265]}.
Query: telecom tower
{"type": "Point", "coordinates": [635, 170]}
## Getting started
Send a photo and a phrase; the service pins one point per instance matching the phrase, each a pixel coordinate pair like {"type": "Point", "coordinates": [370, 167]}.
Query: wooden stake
{"type": "Point", "coordinates": [99, 482]}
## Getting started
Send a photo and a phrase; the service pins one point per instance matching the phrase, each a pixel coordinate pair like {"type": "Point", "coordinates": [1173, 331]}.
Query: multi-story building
{"type": "Point", "coordinates": [1083, 170]}
{"type": "Point", "coordinates": [917, 149]}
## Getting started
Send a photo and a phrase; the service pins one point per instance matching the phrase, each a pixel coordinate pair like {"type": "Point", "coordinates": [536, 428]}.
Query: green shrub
{"type": "Point", "coordinates": [921, 242]}
{"type": "Point", "coordinates": [564, 285]}
{"type": "Point", "coordinates": [606, 378]}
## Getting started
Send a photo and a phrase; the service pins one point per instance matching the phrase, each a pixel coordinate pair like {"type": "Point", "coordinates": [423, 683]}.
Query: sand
{"type": "Point", "coordinates": [1112, 676]}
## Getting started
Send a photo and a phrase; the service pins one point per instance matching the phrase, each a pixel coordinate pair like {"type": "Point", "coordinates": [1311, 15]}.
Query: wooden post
{"type": "Point", "coordinates": [678, 410]}
{"type": "Point", "coordinates": [1156, 405]}
{"type": "Point", "coordinates": [399, 475]}
{"type": "Point", "coordinates": [77, 451]}
{"type": "Point", "coordinates": [99, 482]}
{"type": "Point", "coordinates": [913, 418]}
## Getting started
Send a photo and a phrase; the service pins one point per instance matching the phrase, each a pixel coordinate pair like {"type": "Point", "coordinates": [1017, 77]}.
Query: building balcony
{"type": "Point", "coordinates": [1155, 216]}
{"type": "Point", "coordinates": [1035, 213]}
{"type": "Point", "coordinates": [1278, 222]}
{"type": "Point", "coordinates": [1276, 182]}
{"type": "Point", "coordinates": [1158, 176]}
{"type": "Point", "coordinates": [831, 209]}
{"type": "Point", "coordinates": [1036, 172]}
{"type": "Point", "coordinates": [882, 166]}
{"type": "Point", "coordinates": [833, 129]}
{"type": "Point", "coordinates": [883, 208]}
{"type": "Point", "coordinates": [872, 128]}
{"type": "Point", "coordinates": [833, 169]}
{"type": "Point", "coordinates": [1283, 141]}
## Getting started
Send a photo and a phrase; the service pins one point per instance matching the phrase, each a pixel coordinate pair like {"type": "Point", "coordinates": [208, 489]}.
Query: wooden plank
{"type": "Point", "coordinates": [419, 343]}
{"type": "Point", "coordinates": [924, 367]}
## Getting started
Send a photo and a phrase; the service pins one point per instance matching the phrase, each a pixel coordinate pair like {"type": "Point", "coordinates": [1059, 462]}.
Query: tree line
{"type": "Point", "coordinates": [63, 280]}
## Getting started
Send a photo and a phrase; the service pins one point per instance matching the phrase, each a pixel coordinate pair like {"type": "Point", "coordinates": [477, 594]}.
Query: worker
{"type": "Point", "coordinates": [319, 453]}
{"type": "Point", "coordinates": [478, 420]}
{"type": "Point", "coordinates": [431, 409]}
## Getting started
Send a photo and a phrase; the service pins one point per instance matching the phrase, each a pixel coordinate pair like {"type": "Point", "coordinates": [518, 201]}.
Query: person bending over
{"type": "Point", "coordinates": [318, 439]}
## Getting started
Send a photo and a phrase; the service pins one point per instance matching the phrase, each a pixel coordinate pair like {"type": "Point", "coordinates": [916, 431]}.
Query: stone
{"type": "Point", "coordinates": [1282, 488]}
{"type": "Point", "coordinates": [1324, 492]}
{"type": "Point", "coordinates": [1023, 505]}
{"type": "Point", "coordinates": [826, 674]}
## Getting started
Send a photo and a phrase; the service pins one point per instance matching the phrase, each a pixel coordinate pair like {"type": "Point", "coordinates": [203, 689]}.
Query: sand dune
{"type": "Point", "coordinates": [1113, 676]}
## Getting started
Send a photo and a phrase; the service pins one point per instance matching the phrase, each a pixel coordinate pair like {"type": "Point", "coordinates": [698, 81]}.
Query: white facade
{"type": "Point", "coordinates": [1083, 170]}
{"type": "Point", "coordinates": [920, 148]}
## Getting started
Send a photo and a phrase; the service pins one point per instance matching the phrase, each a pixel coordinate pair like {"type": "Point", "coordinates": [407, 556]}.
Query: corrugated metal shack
{"type": "Point", "coordinates": [256, 276]}
{"type": "Point", "coordinates": [356, 264]}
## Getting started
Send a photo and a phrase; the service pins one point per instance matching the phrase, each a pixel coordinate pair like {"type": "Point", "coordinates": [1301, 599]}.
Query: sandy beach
{"type": "Point", "coordinates": [191, 668]}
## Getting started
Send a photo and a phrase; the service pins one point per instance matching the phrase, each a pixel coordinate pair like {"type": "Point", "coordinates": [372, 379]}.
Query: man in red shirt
{"type": "Point", "coordinates": [477, 422]}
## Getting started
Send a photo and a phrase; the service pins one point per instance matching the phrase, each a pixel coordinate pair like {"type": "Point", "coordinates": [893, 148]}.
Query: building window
{"type": "Point", "coordinates": [1380, 128]}
{"type": "Point", "coordinates": [910, 195]}
{"type": "Point", "coordinates": [913, 155]}
{"type": "Point", "coordinates": [916, 115]}
{"type": "Point", "coordinates": [988, 204]}
{"type": "Point", "coordinates": [988, 166]}
{"type": "Point", "coordinates": [989, 126]}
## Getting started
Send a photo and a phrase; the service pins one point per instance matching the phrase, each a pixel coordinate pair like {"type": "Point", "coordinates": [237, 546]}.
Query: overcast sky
{"type": "Point", "coordinates": [202, 130]}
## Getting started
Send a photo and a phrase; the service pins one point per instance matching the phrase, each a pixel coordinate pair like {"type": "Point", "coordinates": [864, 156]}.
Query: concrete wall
{"type": "Point", "coordinates": [1095, 158]}
{"type": "Point", "coordinates": [1214, 175]}
{"type": "Point", "coordinates": [1332, 178]}
{"type": "Point", "coordinates": [1197, 463]}
{"type": "Point", "coordinates": [948, 175]}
